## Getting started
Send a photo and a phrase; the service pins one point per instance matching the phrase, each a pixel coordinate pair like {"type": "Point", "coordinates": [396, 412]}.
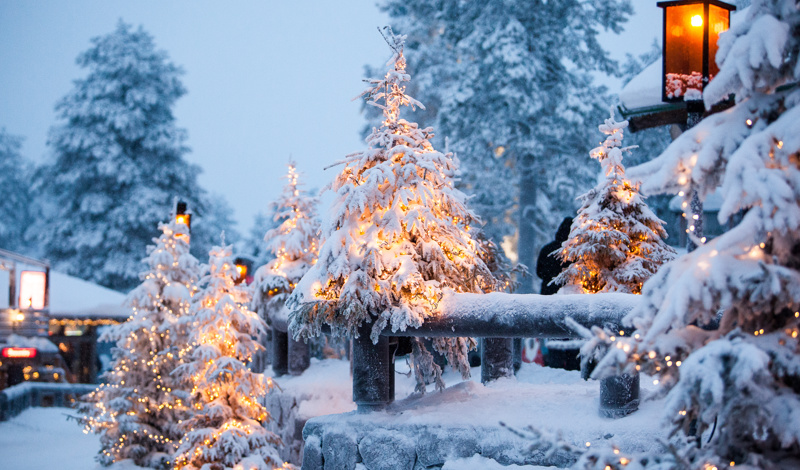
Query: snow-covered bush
{"type": "Point", "coordinates": [719, 326]}
{"type": "Point", "coordinates": [616, 242]}
{"type": "Point", "coordinates": [138, 407]}
{"type": "Point", "coordinates": [225, 431]}
{"type": "Point", "coordinates": [399, 235]}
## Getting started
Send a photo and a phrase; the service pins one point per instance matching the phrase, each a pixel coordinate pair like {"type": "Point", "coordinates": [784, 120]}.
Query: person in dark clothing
{"type": "Point", "coordinates": [548, 267]}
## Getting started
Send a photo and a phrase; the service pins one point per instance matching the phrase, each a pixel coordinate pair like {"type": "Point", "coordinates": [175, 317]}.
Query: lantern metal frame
{"type": "Point", "coordinates": [706, 7]}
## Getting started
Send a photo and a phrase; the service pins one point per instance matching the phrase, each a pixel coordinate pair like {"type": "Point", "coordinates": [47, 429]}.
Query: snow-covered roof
{"type": "Point", "coordinates": [42, 344]}
{"type": "Point", "coordinates": [76, 298]}
{"type": "Point", "coordinates": [644, 90]}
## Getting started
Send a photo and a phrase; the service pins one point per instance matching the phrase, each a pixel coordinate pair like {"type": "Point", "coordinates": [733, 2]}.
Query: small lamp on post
{"type": "Point", "coordinates": [691, 31]}
{"type": "Point", "coordinates": [243, 268]}
{"type": "Point", "coordinates": [183, 218]}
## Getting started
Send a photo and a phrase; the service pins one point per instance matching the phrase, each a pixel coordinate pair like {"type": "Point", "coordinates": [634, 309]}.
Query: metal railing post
{"type": "Point", "coordinates": [373, 371]}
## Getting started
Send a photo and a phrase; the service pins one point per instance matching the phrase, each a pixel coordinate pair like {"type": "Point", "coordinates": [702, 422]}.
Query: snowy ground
{"type": "Point", "coordinates": [547, 399]}
{"type": "Point", "coordinates": [42, 438]}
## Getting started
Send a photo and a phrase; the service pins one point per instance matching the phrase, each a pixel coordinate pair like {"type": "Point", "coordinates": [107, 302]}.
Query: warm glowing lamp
{"type": "Point", "coordinates": [182, 215]}
{"type": "Point", "coordinates": [183, 219]}
{"type": "Point", "coordinates": [691, 31]}
{"type": "Point", "coordinates": [243, 266]}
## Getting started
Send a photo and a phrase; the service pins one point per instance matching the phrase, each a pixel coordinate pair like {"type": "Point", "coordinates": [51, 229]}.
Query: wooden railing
{"type": "Point", "coordinates": [498, 318]}
{"type": "Point", "coordinates": [14, 400]}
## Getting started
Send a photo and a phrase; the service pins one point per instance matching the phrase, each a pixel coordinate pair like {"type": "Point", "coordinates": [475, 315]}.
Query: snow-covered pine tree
{"type": "Point", "coordinates": [138, 408]}
{"type": "Point", "coordinates": [294, 243]}
{"type": "Point", "coordinates": [118, 160]}
{"type": "Point", "coordinates": [719, 326]}
{"type": "Point", "coordinates": [16, 203]}
{"type": "Point", "coordinates": [616, 242]}
{"type": "Point", "coordinates": [225, 431]}
{"type": "Point", "coordinates": [398, 237]}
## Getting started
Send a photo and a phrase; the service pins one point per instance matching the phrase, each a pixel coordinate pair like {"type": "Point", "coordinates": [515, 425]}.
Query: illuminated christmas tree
{"type": "Point", "coordinates": [294, 245]}
{"type": "Point", "coordinates": [616, 241]}
{"type": "Point", "coordinates": [226, 429]}
{"type": "Point", "coordinates": [139, 407]}
{"type": "Point", "coordinates": [398, 237]}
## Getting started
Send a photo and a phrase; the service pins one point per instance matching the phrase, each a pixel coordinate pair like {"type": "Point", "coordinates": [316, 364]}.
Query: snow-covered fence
{"type": "Point", "coordinates": [14, 400]}
{"type": "Point", "coordinates": [497, 318]}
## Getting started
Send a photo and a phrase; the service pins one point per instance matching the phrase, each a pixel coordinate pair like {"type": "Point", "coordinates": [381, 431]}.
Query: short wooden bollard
{"type": "Point", "coordinates": [619, 395]}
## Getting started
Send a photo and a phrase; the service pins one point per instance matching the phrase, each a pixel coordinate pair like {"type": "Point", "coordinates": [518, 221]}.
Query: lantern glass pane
{"type": "Point", "coordinates": [683, 51]}
{"type": "Point", "coordinates": [718, 22]}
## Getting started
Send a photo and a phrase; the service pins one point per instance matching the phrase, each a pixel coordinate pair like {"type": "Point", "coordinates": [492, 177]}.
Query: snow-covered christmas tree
{"type": "Point", "coordinates": [225, 431]}
{"type": "Point", "coordinates": [138, 408]}
{"type": "Point", "coordinates": [616, 241]}
{"type": "Point", "coordinates": [719, 326]}
{"type": "Point", "coordinates": [294, 244]}
{"type": "Point", "coordinates": [398, 237]}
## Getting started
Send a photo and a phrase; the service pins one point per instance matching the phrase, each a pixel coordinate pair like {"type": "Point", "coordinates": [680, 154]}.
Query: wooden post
{"type": "Point", "coordinates": [280, 352]}
{"type": "Point", "coordinates": [299, 356]}
{"type": "Point", "coordinates": [373, 371]}
{"type": "Point", "coordinates": [497, 358]}
{"type": "Point", "coordinates": [517, 354]}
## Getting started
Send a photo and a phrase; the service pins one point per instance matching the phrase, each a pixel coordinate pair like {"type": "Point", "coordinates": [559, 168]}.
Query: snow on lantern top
{"type": "Point", "coordinates": [691, 31]}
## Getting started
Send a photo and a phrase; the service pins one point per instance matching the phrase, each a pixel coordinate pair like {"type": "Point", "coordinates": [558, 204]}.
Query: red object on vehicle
{"type": "Point", "coordinates": [24, 353]}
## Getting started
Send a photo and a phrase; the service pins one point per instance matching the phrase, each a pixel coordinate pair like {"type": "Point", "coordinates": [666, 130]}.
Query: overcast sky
{"type": "Point", "coordinates": [265, 79]}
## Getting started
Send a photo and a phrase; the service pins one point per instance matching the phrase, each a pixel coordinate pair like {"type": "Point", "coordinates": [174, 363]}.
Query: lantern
{"type": "Point", "coordinates": [691, 31]}
{"type": "Point", "coordinates": [243, 266]}
{"type": "Point", "coordinates": [182, 216]}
